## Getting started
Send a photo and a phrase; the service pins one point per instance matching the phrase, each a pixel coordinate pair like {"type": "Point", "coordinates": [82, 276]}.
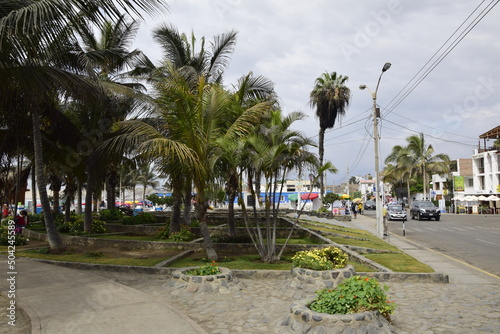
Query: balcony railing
{"type": "Point", "coordinates": [487, 149]}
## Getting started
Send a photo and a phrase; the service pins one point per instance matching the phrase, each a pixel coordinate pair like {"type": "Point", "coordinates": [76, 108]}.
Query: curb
{"type": "Point", "coordinates": [397, 277]}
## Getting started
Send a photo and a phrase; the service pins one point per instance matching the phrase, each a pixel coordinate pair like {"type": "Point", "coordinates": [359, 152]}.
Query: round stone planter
{"type": "Point", "coordinates": [304, 320]}
{"type": "Point", "coordinates": [305, 282]}
{"type": "Point", "coordinates": [221, 283]}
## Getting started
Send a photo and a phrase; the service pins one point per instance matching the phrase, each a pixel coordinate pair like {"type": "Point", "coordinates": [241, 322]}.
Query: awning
{"type": "Point", "coordinates": [293, 197]}
{"type": "Point", "coordinates": [309, 196]}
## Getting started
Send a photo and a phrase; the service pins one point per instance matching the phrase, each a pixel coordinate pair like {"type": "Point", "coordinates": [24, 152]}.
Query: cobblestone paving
{"type": "Point", "coordinates": [261, 304]}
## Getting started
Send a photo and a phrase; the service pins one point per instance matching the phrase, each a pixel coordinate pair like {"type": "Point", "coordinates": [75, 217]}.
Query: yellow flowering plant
{"type": "Point", "coordinates": [320, 259]}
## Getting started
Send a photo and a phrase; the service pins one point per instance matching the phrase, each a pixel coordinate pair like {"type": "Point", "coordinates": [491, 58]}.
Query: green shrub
{"type": "Point", "coordinates": [356, 294]}
{"type": "Point", "coordinates": [141, 218]}
{"type": "Point", "coordinates": [110, 214]}
{"type": "Point", "coordinates": [184, 235]}
{"type": "Point", "coordinates": [35, 217]}
{"type": "Point", "coordinates": [94, 254]}
{"type": "Point", "coordinates": [18, 239]}
{"type": "Point", "coordinates": [163, 233]}
{"type": "Point", "coordinates": [98, 226]}
{"type": "Point", "coordinates": [211, 268]}
{"type": "Point", "coordinates": [320, 259]}
{"type": "Point", "coordinates": [226, 239]}
{"type": "Point", "coordinates": [43, 250]}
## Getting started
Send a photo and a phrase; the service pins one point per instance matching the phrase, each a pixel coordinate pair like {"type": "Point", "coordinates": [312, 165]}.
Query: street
{"type": "Point", "coordinates": [473, 239]}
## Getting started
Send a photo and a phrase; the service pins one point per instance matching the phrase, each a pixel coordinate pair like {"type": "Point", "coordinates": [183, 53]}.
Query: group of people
{"type": "Point", "coordinates": [20, 221]}
{"type": "Point", "coordinates": [356, 208]}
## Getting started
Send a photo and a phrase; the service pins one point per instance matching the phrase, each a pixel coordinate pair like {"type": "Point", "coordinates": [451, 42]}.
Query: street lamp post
{"type": "Point", "coordinates": [376, 115]}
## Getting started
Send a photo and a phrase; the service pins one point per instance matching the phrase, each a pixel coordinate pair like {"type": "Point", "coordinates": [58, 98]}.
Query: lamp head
{"type": "Point", "coordinates": [362, 87]}
{"type": "Point", "coordinates": [386, 67]}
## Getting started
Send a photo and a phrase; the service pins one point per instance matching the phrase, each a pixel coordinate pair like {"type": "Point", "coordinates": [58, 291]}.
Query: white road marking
{"type": "Point", "coordinates": [488, 242]}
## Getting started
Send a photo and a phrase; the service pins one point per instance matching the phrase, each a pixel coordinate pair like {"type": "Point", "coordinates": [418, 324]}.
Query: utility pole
{"type": "Point", "coordinates": [376, 115]}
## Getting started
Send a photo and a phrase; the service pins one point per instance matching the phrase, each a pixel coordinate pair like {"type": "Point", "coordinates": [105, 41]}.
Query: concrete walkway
{"type": "Point", "coordinates": [60, 300]}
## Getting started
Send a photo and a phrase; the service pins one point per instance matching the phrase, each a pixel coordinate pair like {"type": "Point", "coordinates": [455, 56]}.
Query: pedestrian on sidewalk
{"type": "Point", "coordinates": [354, 209]}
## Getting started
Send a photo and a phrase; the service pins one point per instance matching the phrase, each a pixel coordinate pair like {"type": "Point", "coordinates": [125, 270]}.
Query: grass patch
{"type": "Point", "coordinates": [400, 263]}
{"type": "Point", "coordinates": [252, 262]}
{"type": "Point", "coordinates": [375, 244]}
{"type": "Point", "coordinates": [126, 237]}
{"type": "Point", "coordinates": [91, 258]}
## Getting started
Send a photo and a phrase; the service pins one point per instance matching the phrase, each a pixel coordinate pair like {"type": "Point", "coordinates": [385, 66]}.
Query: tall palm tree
{"type": "Point", "coordinates": [425, 160]}
{"type": "Point", "coordinates": [32, 35]}
{"type": "Point", "coordinates": [331, 97]}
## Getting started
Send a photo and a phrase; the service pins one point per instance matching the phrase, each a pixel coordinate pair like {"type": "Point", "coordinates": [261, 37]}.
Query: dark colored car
{"type": "Point", "coordinates": [370, 205]}
{"type": "Point", "coordinates": [424, 209]}
{"type": "Point", "coordinates": [396, 212]}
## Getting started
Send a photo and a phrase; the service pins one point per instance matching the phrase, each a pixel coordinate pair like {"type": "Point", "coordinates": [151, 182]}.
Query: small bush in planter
{"type": "Point", "coordinates": [211, 268]}
{"type": "Point", "coordinates": [320, 259]}
{"type": "Point", "coordinates": [356, 294]}
{"type": "Point", "coordinates": [185, 234]}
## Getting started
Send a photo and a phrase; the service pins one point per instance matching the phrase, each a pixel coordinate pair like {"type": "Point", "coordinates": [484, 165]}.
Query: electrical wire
{"type": "Point", "coordinates": [414, 81]}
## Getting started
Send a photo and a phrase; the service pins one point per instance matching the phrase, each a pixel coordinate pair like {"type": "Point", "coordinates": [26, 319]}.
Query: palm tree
{"type": "Point", "coordinates": [274, 150]}
{"type": "Point", "coordinates": [32, 36]}
{"type": "Point", "coordinates": [424, 159]}
{"type": "Point", "coordinates": [417, 160]}
{"type": "Point", "coordinates": [331, 98]}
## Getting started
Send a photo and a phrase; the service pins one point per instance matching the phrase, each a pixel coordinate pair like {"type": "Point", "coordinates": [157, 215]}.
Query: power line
{"type": "Point", "coordinates": [404, 92]}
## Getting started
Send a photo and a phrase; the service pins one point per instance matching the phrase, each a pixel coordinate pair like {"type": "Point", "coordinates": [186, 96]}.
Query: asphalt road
{"type": "Point", "coordinates": [473, 239]}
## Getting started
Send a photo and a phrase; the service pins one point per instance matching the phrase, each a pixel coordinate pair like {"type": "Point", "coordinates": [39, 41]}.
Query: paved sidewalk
{"type": "Point", "coordinates": [60, 300]}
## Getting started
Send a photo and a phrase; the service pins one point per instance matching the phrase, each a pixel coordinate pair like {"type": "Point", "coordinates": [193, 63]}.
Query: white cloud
{"type": "Point", "coordinates": [294, 42]}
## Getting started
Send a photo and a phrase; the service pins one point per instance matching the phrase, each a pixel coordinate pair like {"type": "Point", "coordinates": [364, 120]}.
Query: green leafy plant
{"type": "Point", "coordinates": [211, 268]}
{"type": "Point", "coordinates": [163, 233]}
{"type": "Point", "coordinates": [356, 294]}
{"type": "Point", "coordinates": [320, 259]}
{"type": "Point", "coordinates": [18, 240]}
{"type": "Point", "coordinates": [110, 214]}
{"type": "Point", "coordinates": [43, 250]}
{"type": "Point", "coordinates": [141, 218]}
{"type": "Point", "coordinates": [94, 254]}
{"type": "Point", "coordinates": [183, 235]}
{"type": "Point", "coordinates": [98, 226]}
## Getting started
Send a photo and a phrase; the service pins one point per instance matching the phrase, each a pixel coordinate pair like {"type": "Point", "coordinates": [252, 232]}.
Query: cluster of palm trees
{"type": "Point", "coordinates": [74, 102]}
{"type": "Point", "coordinates": [412, 165]}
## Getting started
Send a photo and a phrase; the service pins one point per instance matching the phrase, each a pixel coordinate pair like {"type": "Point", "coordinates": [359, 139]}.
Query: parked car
{"type": "Point", "coordinates": [424, 209]}
{"type": "Point", "coordinates": [370, 205]}
{"type": "Point", "coordinates": [396, 212]}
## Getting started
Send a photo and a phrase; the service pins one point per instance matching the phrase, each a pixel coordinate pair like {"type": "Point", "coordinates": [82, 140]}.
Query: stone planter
{"type": "Point", "coordinates": [220, 283]}
{"type": "Point", "coordinates": [304, 320]}
{"type": "Point", "coordinates": [305, 282]}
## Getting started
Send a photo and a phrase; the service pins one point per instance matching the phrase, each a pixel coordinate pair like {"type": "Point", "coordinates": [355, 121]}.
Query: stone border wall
{"type": "Point", "coordinates": [221, 283]}
{"type": "Point", "coordinates": [304, 320]}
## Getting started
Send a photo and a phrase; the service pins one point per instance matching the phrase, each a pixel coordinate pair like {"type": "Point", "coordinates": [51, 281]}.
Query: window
{"type": "Point", "coordinates": [471, 183]}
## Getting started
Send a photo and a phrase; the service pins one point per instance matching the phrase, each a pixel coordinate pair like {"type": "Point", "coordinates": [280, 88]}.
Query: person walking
{"type": "Point", "coordinates": [21, 222]}
{"type": "Point", "coordinates": [5, 210]}
{"type": "Point", "coordinates": [354, 209]}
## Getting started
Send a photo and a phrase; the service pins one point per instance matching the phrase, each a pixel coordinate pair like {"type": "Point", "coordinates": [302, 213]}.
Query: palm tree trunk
{"type": "Point", "coordinates": [321, 152]}
{"type": "Point", "coordinates": [188, 197]}
{"type": "Point", "coordinates": [79, 200]}
{"type": "Point", "coordinates": [33, 186]}
{"type": "Point", "coordinates": [175, 222]}
{"type": "Point", "coordinates": [87, 220]}
{"type": "Point", "coordinates": [53, 236]}
{"type": "Point", "coordinates": [207, 240]}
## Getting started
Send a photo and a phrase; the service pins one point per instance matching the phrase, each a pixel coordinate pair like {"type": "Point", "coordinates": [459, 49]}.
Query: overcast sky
{"type": "Point", "coordinates": [451, 100]}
